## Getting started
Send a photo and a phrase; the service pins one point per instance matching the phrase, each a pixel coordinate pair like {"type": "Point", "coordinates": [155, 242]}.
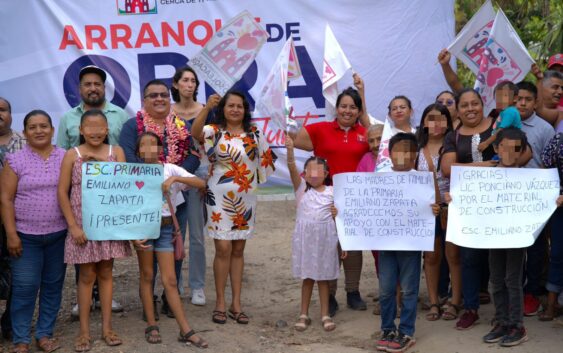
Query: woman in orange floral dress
{"type": "Point", "coordinates": [240, 159]}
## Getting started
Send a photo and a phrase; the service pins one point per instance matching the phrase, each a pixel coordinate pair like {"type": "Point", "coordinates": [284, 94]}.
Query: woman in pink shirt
{"type": "Point", "coordinates": [36, 232]}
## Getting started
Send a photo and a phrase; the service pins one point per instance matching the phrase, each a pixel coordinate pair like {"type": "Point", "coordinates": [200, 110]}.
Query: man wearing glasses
{"type": "Point", "coordinates": [93, 94]}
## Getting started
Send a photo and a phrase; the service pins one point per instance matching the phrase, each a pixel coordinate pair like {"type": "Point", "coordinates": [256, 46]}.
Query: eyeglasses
{"type": "Point", "coordinates": [447, 102]}
{"type": "Point", "coordinates": [155, 95]}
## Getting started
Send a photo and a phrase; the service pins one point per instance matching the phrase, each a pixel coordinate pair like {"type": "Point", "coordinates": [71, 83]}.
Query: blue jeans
{"type": "Point", "coordinates": [474, 272]}
{"type": "Point", "coordinates": [399, 267]}
{"type": "Point", "coordinates": [182, 216]}
{"type": "Point", "coordinates": [40, 268]}
{"type": "Point", "coordinates": [196, 222]}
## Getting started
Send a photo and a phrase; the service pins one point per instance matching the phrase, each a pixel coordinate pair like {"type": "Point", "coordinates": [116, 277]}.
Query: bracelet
{"type": "Point", "coordinates": [291, 161]}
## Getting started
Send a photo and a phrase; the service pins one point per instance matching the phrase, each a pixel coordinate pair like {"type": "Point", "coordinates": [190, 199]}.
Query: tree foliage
{"type": "Point", "coordinates": [539, 24]}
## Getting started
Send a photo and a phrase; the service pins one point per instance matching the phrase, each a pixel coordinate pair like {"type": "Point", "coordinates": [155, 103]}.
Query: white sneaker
{"type": "Point", "coordinates": [116, 307]}
{"type": "Point", "coordinates": [198, 296]}
{"type": "Point", "coordinates": [74, 312]}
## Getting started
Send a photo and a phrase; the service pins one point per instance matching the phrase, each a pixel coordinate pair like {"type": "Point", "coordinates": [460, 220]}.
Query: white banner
{"type": "Point", "coordinates": [505, 59]}
{"type": "Point", "coordinates": [470, 42]}
{"type": "Point", "coordinates": [45, 43]}
{"type": "Point", "coordinates": [385, 211]}
{"type": "Point", "coordinates": [500, 208]}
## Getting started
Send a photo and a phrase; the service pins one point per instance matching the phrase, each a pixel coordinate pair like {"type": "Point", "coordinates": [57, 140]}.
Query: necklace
{"type": "Point", "coordinates": [174, 135]}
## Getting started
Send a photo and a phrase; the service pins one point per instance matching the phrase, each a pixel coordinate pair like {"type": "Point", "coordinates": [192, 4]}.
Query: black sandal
{"type": "Point", "coordinates": [151, 337]}
{"type": "Point", "coordinates": [219, 317]}
{"type": "Point", "coordinates": [185, 337]}
{"type": "Point", "coordinates": [240, 318]}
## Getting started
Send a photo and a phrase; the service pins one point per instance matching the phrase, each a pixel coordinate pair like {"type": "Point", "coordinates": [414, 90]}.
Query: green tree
{"type": "Point", "coordinates": [539, 24]}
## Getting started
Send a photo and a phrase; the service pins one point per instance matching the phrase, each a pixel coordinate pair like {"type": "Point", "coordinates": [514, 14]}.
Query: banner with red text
{"type": "Point", "coordinates": [45, 43]}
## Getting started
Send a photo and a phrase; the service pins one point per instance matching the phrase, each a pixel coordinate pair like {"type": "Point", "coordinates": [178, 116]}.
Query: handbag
{"type": "Point", "coordinates": [443, 215]}
{"type": "Point", "coordinates": [177, 241]}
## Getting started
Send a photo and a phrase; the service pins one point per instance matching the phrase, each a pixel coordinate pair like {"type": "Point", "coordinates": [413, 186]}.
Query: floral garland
{"type": "Point", "coordinates": [174, 136]}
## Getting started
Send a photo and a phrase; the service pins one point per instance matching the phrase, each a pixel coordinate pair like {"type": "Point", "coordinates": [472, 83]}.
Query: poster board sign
{"type": "Point", "coordinates": [121, 201]}
{"type": "Point", "coordinates": [385, 211]}
{"type": "Point", "coordinates": [500, 208]}
{"type": "Point", "coordinates": [229, 53]}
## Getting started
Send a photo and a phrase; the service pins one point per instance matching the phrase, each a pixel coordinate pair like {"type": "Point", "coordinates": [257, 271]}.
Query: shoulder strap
{"type": "Point", "coordinates": [77, 152]}
{"type": "Point", "coordinates": [110, 150]}
{"type": "Point", "coordinates": [172, 213]}
{"type": "Point", "coordinates": [431, 167]}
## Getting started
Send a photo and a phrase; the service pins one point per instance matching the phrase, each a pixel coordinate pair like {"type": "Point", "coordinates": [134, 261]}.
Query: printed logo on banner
{"type": "Point", "coordinates": [497, 65]}
{"type": "Point", "coordinates": [476, 45]}
{"type": "Point", "coordinates": [328, 73]}
{"type": "Point", "coordinates": [136, 7]}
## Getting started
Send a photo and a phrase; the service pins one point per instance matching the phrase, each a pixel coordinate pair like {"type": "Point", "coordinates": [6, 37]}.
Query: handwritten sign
{"type": "Point", "coordinates": [121, 201]}
{"type": "Point", "coordinates": [385, 211]}
{"type": "Point", "coordinates": [227, 55]}
{"type": "Point", "coordinates": [499, 208]}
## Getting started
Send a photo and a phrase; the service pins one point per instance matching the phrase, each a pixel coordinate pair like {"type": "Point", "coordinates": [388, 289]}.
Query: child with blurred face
{"type": "Point", "coordinates": [402, 149]}
{"type": "Point", "coordinates": [399, 267]}
{"type": "Point", "coordinates": [314, 240]}
{"type": "Point", "coordinates": [506, 265]}
{"type": "Point", "coordinates": [505, 97]}
{"type": "Point", "coordinates": [176, 180]}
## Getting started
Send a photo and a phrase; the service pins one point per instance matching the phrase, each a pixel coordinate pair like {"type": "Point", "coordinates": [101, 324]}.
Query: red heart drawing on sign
{"type": "Point", "coordinates": [247, 42]}
{"type": "Point", "coordinates": [140, 184]}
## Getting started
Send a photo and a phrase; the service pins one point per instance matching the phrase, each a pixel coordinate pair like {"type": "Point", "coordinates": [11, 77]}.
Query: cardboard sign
{"type": "Point", "coordinates": [121, 201]}
{"type": "Point", "coordinates": [500, 208]}
{"type": "Point", "coordinates": [225, 58]}
{"type": "Point", "coordinates": [385, 211]}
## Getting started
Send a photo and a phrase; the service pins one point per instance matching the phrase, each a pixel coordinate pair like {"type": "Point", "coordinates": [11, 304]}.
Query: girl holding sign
{"type": "Point", "coordinates": [94, 257]}
{"type": "Point", "coordinates": [315, 242]}
{"type": "Point", "coordinates": [435, 123]}
{"type": "Point", "coordinates": [177, 179]}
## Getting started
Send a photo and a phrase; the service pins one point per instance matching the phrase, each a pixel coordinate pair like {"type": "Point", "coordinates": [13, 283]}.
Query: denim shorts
{"type": "Point", "coordinates": [164, 242]}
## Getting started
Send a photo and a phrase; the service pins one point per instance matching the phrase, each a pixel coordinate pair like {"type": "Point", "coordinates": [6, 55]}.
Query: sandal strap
{"type": "Point", "coordinates": [304, 317]}
{"type": "Point", "coordinates": [149, 329]}
{"type": "Point", "coordinates": [186, 336]}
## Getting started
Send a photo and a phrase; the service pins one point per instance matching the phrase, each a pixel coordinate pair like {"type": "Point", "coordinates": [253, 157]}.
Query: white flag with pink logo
{"type": "Point", "coordinates": [470, 42]}
{"type": "Point", "coordinates": [229, 53]}
{"type": "Point", "coordinates": [274, 103]}
{"type": "Point", "coordinates": [505, 59]}
{"type": "Point", "coordinates": [335, 65]}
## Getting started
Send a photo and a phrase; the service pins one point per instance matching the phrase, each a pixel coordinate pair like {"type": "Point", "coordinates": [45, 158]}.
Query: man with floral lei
{"type": "Point", "coordinates": [174, 132]}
